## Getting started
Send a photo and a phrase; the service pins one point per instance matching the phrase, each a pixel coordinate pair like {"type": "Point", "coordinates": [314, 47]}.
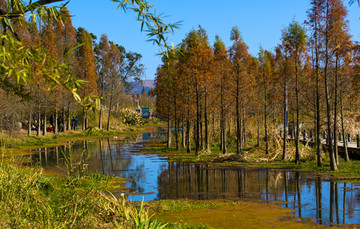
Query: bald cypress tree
{"type": "Point", "coordinates": [294, 43]}
{"type": "Point", "coordinates": [48, 41]}
{"type": "Point", "coordinates": [87, 67]}
{"type": "Point", "coordinates": [241, 78]}
{"type": "Point", "coordinates": [103, 55]}
{"type": "Point", "coordinates": [69, 37]}
{"type": "Point", "coordinates": [222, 73]}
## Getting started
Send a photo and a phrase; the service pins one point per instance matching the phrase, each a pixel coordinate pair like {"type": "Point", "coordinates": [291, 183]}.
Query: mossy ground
{"type": "Point", "coordinates": [226, 214]}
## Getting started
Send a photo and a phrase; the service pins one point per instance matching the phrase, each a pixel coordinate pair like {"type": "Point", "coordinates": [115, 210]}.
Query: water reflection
{"type": "Point", "coordinates": [328, 202]}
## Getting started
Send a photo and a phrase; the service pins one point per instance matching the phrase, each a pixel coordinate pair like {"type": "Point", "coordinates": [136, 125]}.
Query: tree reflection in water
{"type": "Point", "coordinates": [326, 201]}
{"type": "Point", "coordinates": [311, 196]}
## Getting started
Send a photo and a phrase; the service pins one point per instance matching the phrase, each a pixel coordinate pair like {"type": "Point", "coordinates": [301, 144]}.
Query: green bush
{"type": "Point", "coordinates": [132, 118]}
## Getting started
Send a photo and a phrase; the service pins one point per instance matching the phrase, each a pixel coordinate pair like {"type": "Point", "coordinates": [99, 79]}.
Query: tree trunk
{"type": "Point", "coordinates": [64, 119]}
{"type": "Point", "coordinates": [56, 121]}
{"type": "Point", "coordinates": [244, 129]}
{"type": "Point", "coordinates": [30, 121]}
{"type": "Point", "coordinates": [201, 129]}
{"type": "Point", "coordinates": [84, 119]}
{"type": "Point", "coordinates": [44, 129]}
{"type": "Point", "coordinates": [100, 116]}
{"type": "Point", "coordinates": [39, 120]}
{"type": "Point", "coordinates": [222, 135]}
{"type": "Point", "coordinates": [169, 126]}
{"type": "Point", "coordinates": [224, 149]}
{"type": "Point", "coordinates": [343, 128]}
{"type": "Point", "coordinates": [109, 114]}
{"type": "Point", "coordinates": [336, 152]}
{"type": "Point", "coordinates": [285, 122]}
{"type": "Point", "coordinates": [176, 125]}
{"type": "Point", "coordinates": [188, 146]}
{"type": "Point", "coordinates": [333, 165]}
{"type": "Point", "coordinates": [183, 133]}
{"type": "Point", "coordinates": [265, 125]}
{"type": "Point", "coordinates": [39, 111]}
{"type": "Point", "coordinates": [197, 134]}
{"type": "Point", "coordinates": [258, 127]}
{"type": "Point", "coordinates": [207, 144]}
{"type": "Point", "coordinates": [221, 132]}
{"type": "Point", "coordinates": [297, 136]}
{"type": "Point", "coordinates": [238, 117]}
{"type": "Point", "coordinates": [317, 138]}
{"type": "Point", "coordinates": [69, 118]}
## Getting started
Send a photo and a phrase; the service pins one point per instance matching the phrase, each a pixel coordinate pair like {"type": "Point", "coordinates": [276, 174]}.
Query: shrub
{"type": "Point", "coordinates": [131, 118]}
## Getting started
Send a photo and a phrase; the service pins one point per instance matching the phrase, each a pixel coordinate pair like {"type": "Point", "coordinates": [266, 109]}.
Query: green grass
{"type": "Point", "coordinates": [186, 226]}
{"type": "Point", "coordinates": [163, 206]}
{"type": "Point", "coordinates": [21, 141]}
{"type": "Point", "coordinates": [178, 205]}
{"type": "Point", "coordinates": [31, 199]}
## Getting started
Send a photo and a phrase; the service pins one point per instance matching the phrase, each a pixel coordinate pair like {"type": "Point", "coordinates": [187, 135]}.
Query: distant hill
{"type": "Point", "coordinates": [148, 84]}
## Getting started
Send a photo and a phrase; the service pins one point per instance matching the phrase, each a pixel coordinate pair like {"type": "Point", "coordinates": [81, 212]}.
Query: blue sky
{"type": "Point", "coordinates": [260, 22]}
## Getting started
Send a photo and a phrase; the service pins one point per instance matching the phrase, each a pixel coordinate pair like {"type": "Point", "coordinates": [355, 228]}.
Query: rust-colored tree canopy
{"type": "Point", "coordinates": [299, 88]}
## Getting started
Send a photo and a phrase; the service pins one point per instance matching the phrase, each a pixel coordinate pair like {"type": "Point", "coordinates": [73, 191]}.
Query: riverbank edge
{"type": "Point", "coordinates": [347, 172]}
{"type": "Point", "coordinates": [23, 142]}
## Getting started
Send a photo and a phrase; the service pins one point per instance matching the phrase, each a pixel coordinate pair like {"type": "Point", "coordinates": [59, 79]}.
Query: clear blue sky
{"type": "Point", "coordinates": [260, 22]}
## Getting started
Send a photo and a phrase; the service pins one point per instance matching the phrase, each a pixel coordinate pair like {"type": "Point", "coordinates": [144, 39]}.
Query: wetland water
{"type": "Point", "coordinates": [153, 178]}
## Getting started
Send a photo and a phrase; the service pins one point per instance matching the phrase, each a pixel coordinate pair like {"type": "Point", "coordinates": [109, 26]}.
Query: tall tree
{"type": "Point", "coordinates": [67, 54]}
{"type": "Point", "coordinates": [241, 60]}
{"type": "Point", "coordinates": [294, 43]}
{"type": "Point", "coordinates": [222, 72]}
{"type": "Point", "coordinates": [103, 55]}
{"type": "Point", "coordinates": [340, 45]}
{"type": "Point", "coordinates": [315, 15]}
{"type": "Point", "coordinates": [49, 44]}
{"type": "Point", "coordinates": [265, 75]}
{"type": "Point", "coordinates": [198, 56]}
{"type": "Point", "coordinates": [87, 62]}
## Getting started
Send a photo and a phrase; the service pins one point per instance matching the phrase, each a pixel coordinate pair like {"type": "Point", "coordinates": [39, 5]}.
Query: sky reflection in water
{"type": "Point", "coordinates": [153, 178]}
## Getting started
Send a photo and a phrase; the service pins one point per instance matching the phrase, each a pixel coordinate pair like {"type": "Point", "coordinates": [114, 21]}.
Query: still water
{"type": "Point", "coordinates": [151, 177]}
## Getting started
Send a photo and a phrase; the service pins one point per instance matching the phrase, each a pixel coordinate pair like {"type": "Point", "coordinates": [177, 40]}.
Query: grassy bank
{"type": "Point", "coordinates": [254, 156]}
{"type": "Point", "coordinates": [21, 139]}
{"type": "Point", "coordinates": [31, 199]}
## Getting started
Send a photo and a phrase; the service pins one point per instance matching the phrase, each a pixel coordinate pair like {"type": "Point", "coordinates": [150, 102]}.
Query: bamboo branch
{"type": "Point", "coordinates": [30, 7]}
